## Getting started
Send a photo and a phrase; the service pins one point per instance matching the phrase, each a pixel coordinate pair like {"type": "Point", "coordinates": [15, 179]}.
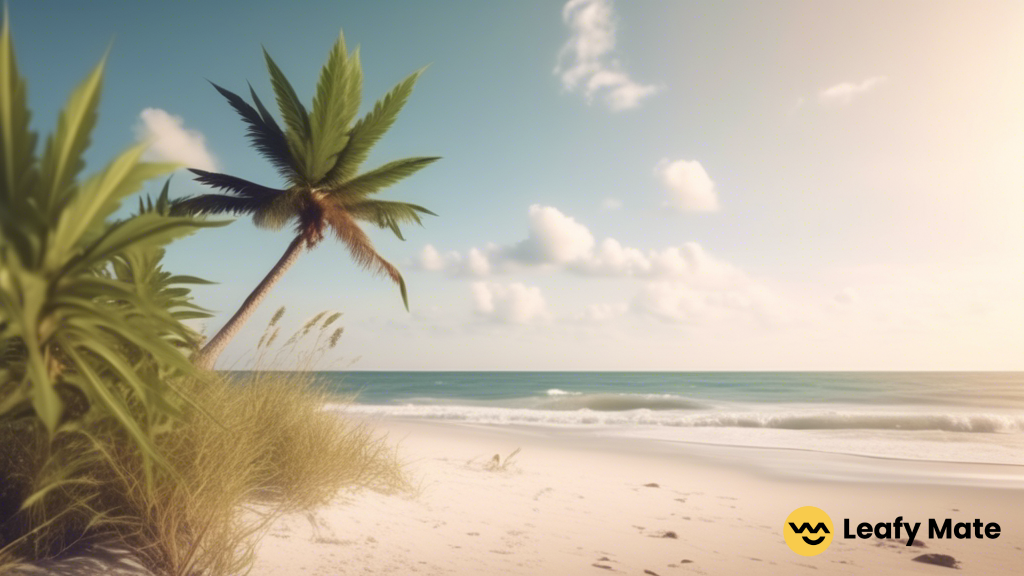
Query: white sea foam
{"type": "Point", "coordinates": [803, 419]}
{"type": "Point", "coordinates": [925, 434]}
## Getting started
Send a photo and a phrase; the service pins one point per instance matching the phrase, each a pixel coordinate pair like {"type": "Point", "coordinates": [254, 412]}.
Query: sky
{"type": "Point", "coordinates": [643, 185]}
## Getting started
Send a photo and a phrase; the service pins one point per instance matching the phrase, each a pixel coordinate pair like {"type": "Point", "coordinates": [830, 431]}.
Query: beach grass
{"type": "Point", "coordinates": [264, 446]}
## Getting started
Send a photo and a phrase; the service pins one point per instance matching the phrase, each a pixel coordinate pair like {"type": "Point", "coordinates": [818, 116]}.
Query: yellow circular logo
{"type": "Point", "coordinates": [808, 531]}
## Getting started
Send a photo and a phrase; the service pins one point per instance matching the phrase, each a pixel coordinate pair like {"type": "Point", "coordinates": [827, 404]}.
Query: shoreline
{"type": "Point", "coordinates": [569, 500]}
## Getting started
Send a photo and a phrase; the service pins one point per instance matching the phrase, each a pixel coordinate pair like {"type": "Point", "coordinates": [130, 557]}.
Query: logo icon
{"type": "Point", "coordinates": [808, 531]}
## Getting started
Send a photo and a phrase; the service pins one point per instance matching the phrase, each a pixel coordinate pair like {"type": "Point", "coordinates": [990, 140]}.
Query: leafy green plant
{"type": "Point", "coordinates": [318, 153]}
{"type": "Point", "coordinates": [96, 383]}
{"type": "Point", "coordinates": [75, 330]}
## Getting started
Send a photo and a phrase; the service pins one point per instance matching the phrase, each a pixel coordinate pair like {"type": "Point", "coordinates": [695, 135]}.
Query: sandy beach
{"type": "Point", "coordinates": [578, 501]}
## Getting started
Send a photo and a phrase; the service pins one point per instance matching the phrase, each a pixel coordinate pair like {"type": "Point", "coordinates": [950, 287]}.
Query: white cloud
{"type": "Point", "coordinates": [513, 303]}
{"type": "Point", "coordinates": [845, 92]}
{"type": "Point", "coordinates": [554, 238]}
{"type": "Point", "coordinates": [431, 259]}
{"type": "Point", "coordinates": [171, 141]}
{"type": "Point", "coordinates": [558, 241]}
{"type": "Point", "coordinates": [584, 59]}
{"type": "Point", "coordinates": [611, 204]}
{"type": "Point", "coordinates": [680, 283]}
{"type": "Point", "coordinates": [689, 186]}
{"type": "Point", "coordinates": [612, 259]}
{"type": "Point", "coordinates": [475, 263]}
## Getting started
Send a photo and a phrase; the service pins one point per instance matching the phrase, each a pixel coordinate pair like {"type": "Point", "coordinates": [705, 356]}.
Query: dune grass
{"type": "Point", "coordinates": [263, 445]}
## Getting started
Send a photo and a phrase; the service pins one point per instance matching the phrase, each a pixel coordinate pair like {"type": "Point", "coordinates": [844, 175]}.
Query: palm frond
{"type": "Point", "coordinates": [330, 106]}
{"type": "Point", "coordinates": [369, 129]}
{"type": "Point", "coordinates": [387, 214]}
{"type": "Point", "coordinates": [376, 180]}
{"type": "Point", "coordinates": [266, 136]}
{"type": "Point", "coordinates": [277, 212]}
{"type": "Point", "coordinates": [361, 248]}
{"type": "Point", "coordinates": [234, 184]}
{"type": "Point", "coordinates": [295, 117]}
{"type": "Point", "coordinates": [205, 204]}
{"type": "Point", "coordinates": [353, 95]}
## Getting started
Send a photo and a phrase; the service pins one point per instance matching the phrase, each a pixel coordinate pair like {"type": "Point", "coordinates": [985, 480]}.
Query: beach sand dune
{"type": "Point", "coordinates": [578, 503]}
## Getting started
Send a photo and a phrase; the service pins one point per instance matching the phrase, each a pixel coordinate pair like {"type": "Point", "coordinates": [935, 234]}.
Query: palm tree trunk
{"type": "Point", "coordinates": [207, 357]}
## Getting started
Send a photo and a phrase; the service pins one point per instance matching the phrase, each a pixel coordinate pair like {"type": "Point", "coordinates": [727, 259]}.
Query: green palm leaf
{"type": "Point", "coordinates": [296, 118]}
{"type": "Point", "coordinates": [328, 123]}
{"type": "Point", "coordinates": [369, 130]}
{"type": "Point", "coordinates": [234, 184]}
{"type": "Point", "coordinates": [217, 204]}
{"type": "Point", "coordinates": [387, 214]}
{"type": "Point", "coordinates": [376, 180]}
{"type": "Point", "coordinates": [266, 136]}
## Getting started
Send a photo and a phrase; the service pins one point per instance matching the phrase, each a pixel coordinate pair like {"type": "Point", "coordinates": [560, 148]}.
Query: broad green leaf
{"type": "Point", "coordinates": [100, 196]}
{"type": "Point", "coordinates": [17, 141]}
{"type": "Point", "coordinates": [143, 230]}
{"type": "Point", "coordinates": [62, 160]}
{"type": "Point", "coordinates": [117, 408]}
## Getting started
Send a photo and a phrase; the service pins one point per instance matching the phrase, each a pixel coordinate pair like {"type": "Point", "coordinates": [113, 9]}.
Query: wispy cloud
{"type": "Point", "coordinates": [845, 92]}
{"type": "Point", "coordinates": [513, 303]}
{"type": "Point", "coordinates": [171, 141]}
{"type": "Point", "coordinates": [585, 62]}
{"type": "Point", "coordinates": [690, 189]}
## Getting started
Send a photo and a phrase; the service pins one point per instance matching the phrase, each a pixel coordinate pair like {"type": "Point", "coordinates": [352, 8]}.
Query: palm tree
{"type": "Point", "coordinates": [318, 154]}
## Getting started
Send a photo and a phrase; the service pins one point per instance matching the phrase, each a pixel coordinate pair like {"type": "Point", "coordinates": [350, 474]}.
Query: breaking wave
{"type": "Point", "coordinates": [674, 411]}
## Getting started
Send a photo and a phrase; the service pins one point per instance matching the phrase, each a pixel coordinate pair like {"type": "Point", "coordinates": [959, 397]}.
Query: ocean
{"type": "Point", "coordinates": [942, 416]}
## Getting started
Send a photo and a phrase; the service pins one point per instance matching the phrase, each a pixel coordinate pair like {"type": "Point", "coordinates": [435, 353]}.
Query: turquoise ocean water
{"type": "Point", "coordinates": [963, 417]}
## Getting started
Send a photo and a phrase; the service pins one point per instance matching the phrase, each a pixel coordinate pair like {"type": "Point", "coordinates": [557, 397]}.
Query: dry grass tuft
{"type": "Point", "coordinates": [263, 445]}
{"type": "Point", "coordinates": [309, 454]}
{"type": "Point", "coordinates": [496, 464]}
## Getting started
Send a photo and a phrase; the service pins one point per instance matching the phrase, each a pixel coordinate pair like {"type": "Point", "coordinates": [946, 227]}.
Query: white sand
{"type": "Point", "coordinates": [573, 503]}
